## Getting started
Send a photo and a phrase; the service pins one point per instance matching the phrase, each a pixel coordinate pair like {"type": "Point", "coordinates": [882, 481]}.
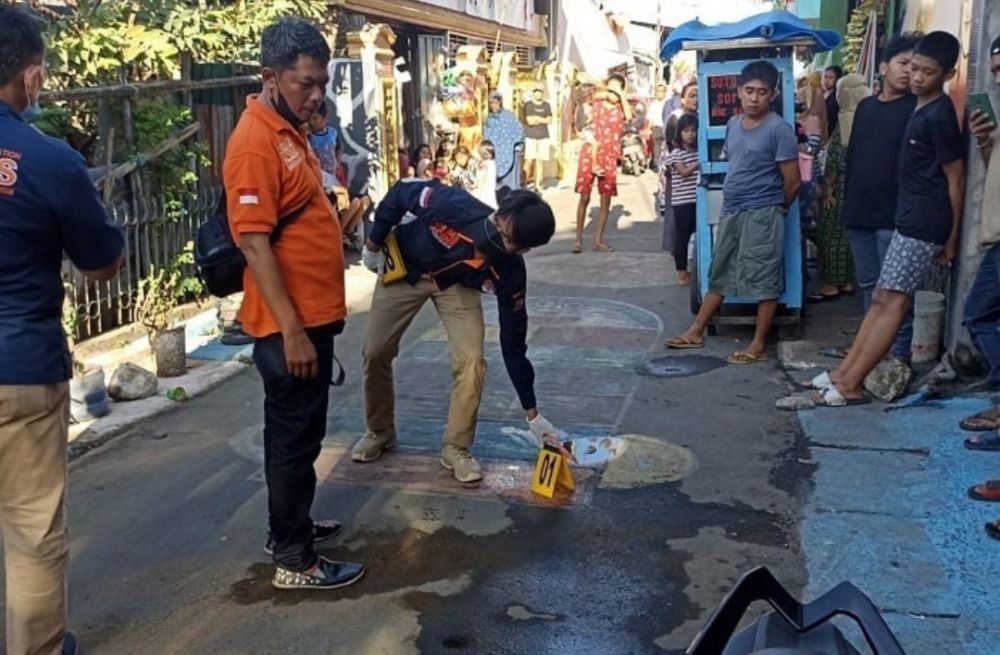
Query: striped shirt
{"type": "Point", "coordinates": [683, 188]}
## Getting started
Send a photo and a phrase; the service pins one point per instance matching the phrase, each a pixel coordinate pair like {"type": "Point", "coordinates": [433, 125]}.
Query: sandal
{"type": "Point", "coordinates": [984, 442]}
{"type": "Point", "coordinates": [577, 249]}
{"type": "Point", "coordinates": [681, 343]}
{"type": "Point", "coordinates": [817, 297]}
{"type": "Point", "coordinates": [742, 359]}
{"type": "Point", "coordinates": [820, 382]}
{"type": "Point", "coordinates": [988, 492]}
{"type": "Point", "coordinates": [984, 421]}
{"type": "Point", "coordinates": [602, 247]}
{"type": "Point", "coordinates": [835, 353]}
{"type": "Point", "coordinates": [831, 397]}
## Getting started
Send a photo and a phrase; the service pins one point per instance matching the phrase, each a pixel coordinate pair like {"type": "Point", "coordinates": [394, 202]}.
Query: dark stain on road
{"type": "Point", "coordinates": [680, 366]}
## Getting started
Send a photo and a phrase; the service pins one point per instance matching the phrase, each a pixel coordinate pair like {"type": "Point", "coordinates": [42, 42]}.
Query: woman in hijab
{"type": "Point", "coordinates": [836, 263]}
{"type": "Point", "coordinates": [506, 134]}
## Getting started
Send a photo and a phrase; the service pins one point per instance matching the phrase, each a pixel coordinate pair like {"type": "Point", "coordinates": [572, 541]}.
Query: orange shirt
{"type": "Point", "coordinates": [270, 172]}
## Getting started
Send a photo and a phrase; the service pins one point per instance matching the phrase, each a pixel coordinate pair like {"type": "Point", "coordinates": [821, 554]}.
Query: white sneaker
{"type": "Point", "coordinates": [460, 462]}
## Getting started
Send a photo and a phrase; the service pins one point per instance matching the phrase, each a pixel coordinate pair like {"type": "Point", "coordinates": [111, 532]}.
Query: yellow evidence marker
{"type": "Point", "coordinates": [551, 470]}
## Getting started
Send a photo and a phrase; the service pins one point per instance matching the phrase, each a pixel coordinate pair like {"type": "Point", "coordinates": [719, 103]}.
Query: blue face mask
{"type": "Point", "coordinates": [31, 112]}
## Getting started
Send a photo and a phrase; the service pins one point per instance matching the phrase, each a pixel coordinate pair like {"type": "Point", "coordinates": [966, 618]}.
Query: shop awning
{"type": "Point", "coordinates": [588, 40]}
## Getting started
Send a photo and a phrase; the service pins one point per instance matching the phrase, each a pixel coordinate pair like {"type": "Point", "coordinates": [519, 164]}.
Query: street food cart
{"type": "Point", "coordinates": [722, 52]}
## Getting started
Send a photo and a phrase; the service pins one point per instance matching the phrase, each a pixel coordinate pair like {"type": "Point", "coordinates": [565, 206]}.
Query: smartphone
{"type": "Point", "coordinates": [981, 102]}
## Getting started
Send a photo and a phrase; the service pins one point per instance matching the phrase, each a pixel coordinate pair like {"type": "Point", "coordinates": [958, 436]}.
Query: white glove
{"type": "Point", "coordinates": [374, 261]}
{"type": "Point", "coordinates": [540, 427]}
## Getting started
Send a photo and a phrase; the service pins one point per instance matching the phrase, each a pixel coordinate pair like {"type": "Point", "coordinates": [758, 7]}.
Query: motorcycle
{"type": "Point", "coordinates": [793, 628]}
{"type": "Point", "coordinates": [634, 159]}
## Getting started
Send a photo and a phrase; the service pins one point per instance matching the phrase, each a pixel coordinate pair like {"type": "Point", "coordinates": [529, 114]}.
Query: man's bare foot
{"type": "Point", "coordinates": [683, 278]}
{"type": "Point", "coordinates": [686, 340]}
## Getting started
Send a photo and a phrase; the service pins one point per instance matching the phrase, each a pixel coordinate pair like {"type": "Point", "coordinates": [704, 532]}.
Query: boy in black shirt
{"type": "Point", "coordinates": [928, 212]}
{"type": "Point", "coordinates": [872, 170]}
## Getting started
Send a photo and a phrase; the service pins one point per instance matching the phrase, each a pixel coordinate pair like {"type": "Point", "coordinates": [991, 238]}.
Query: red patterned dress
{"type": "Point", "coordinates": [608, 124]}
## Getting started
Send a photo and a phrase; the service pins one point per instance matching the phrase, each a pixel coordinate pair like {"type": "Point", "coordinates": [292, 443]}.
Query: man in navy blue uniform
{"type": "Point", "coordinates": [48, 205]}
{"type": "Point", "coordinates": [453, 248]}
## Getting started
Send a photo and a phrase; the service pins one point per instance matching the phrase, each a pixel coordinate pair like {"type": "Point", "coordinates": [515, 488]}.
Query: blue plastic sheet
{"type": "Point", "coordinates": [777, 26]}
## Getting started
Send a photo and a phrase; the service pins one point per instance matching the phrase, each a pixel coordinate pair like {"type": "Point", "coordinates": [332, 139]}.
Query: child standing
{"type": "Point", "coordinates": [681, 163]}
{"type": "Point", "coordinates": [323, 141]}
{"type": "Point", "coordinates": [928, 214]}
{"type": "Point", "coordinates": [762, 182]}
{"type": "Point", "coordinates": [486, 175]}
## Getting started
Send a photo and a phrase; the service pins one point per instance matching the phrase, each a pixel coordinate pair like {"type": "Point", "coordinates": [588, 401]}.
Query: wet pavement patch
{"type": "Point", "coordinates": [679, 366]}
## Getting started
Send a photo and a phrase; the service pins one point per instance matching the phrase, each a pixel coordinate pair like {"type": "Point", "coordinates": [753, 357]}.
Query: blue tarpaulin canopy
{"type": "Point", "coordinates": [776, 26]}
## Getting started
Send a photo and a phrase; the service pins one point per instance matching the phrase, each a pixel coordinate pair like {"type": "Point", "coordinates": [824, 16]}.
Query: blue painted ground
{"type": "Point", "coordinates": [890, 512]}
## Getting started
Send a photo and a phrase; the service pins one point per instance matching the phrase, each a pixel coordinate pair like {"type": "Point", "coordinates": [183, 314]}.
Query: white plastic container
{"type": "Point", "coordinates": [928, 326]}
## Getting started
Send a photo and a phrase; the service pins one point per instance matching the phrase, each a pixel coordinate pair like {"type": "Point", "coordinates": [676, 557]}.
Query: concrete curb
{"type": "Point", "coordinates": [126, 415]}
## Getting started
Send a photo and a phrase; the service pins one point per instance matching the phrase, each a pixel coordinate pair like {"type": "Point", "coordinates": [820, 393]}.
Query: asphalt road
{"type": "Point", "coordinates": [168, 521]}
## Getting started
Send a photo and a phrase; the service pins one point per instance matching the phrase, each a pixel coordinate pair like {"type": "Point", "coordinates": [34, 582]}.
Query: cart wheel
{"type": "Point", "coordinates": [792, 331]}
{"type": "Point", "coordinates": [694, 288]}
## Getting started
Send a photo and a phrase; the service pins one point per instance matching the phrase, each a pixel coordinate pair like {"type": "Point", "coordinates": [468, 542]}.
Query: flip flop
{"type": "Point", "coordinates": [745, 359]}
{"type": "Point", "coordinates": [831, 397]}
{"type": "Point", "coordinates": [993, 530]}
{"type": "Point", "coordinates": [820, 382]}
{"type": "Point", "coordinates": [817, 297]}
{"type": "Point", "coordinates": [988, 492]}
{"type": "Point", "coordinates": [984, 421]}
{"type": "Point", "coordinates": [602, 247]}
{"type": "Point", "coordinates": [681, 342]}
{"type": "Point", "coordinates": [983, 442]}
{"type": "Point", "coordinates": [835, 353]}
{"type": "Point", "coordinates": [577, 249]}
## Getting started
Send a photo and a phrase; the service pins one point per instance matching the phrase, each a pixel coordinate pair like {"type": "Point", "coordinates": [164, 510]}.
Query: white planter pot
{"type": "Point", "coordinates": [88, 398]}
{"type": "Point", "coordinates": [170, 352]}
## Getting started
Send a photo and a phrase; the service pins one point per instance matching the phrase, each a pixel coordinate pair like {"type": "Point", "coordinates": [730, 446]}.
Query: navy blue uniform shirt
{"type": "Point", "coordinates": [48, 204]}
{"type": "Point", "coordinates": [437, 240]}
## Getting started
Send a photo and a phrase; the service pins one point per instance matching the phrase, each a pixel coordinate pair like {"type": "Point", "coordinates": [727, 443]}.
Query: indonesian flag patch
{"type": "Point", "coordinates": [248, 196]}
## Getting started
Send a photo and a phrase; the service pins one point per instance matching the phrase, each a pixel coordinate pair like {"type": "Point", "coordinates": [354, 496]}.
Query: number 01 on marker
{"type": "Point", "coordinates": [551, 469]}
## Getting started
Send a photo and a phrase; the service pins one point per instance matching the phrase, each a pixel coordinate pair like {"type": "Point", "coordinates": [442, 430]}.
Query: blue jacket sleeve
{"type": "Point", "coordinates": [90, 239]}
{"type": "Point", "coordinates": [513, 314]}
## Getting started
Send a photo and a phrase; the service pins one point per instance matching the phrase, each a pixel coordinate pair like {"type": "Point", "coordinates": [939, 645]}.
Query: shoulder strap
{"type": "Point", "coordinates": [287, 220]}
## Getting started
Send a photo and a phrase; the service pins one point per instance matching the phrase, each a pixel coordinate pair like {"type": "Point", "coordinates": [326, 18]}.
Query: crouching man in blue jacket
{"type": "Point", "coordinates": [453, 247]}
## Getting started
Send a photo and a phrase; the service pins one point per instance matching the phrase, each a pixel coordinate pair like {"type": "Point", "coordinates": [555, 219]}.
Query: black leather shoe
{"type": "Point", "coordinates": [327, 574]}
{"type": "Point", "coordinates": [69, 644]}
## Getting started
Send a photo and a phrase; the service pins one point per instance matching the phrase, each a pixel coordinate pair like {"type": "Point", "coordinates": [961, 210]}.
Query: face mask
{"type": "Point", "coordinates": [283, 108]}
{"type": "Point", "coordinates": [490, 242]}
{"type": "Point", "coordinates": [33, 110]}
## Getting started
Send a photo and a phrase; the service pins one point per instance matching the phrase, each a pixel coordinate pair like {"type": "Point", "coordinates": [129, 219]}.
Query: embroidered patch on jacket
{"type": "Point", "coordinates": [290, 155]}
{"type": "Point", "coordinates": [445, 235]}
{"type": "Point", "coordinates": [248, 196]}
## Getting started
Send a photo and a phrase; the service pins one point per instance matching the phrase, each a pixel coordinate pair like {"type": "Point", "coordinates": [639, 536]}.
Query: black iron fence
{"type": "Point", "coordinates": [154, 237]}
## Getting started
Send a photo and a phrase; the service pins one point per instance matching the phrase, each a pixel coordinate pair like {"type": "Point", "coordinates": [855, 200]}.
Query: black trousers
{"type": "Point", "coordinates": [685, 222]}
{"type": "Point", "coordinates": [294, 428]}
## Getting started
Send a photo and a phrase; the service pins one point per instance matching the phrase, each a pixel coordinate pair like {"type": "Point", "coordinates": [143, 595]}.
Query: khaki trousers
{"type": "Point", "coordinates": [461, 312]}
{"type": "Point", "coordinates": [34, 425]}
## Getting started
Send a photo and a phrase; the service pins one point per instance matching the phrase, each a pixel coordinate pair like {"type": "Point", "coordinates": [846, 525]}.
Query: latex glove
{"type": "Point", "coordinates": [540, 427]}
{"type": "Point", "coordinates": [374, 260]}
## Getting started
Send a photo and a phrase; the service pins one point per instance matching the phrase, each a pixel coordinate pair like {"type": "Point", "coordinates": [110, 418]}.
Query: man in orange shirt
{"type": "Point", "coordinates": [293, 303]}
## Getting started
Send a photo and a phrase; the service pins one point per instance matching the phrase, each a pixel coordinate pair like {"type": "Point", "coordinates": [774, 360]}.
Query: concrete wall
{"type": "Point", "coordinates": [985, 27]}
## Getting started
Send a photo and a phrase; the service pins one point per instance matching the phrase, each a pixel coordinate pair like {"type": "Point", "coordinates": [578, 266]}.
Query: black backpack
{"type": "Point", "coordinates": [219, 260]}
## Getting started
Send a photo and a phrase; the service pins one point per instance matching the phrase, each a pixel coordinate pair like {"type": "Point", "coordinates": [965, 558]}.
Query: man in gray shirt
{"type": "Point", "coordinates": [762, 181]}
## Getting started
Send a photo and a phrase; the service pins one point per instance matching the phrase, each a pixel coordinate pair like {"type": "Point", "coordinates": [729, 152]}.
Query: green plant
{"type": "Point", "coordinates": [71, 317]}
{"type": "Point", "coordinates": [164, 289]}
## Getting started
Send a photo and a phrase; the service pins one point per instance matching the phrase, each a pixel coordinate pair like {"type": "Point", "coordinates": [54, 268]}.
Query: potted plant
{"type": "Point", "coordinates": [160, 293]}
{"type": "Point", "coordinates": [88, 397]}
